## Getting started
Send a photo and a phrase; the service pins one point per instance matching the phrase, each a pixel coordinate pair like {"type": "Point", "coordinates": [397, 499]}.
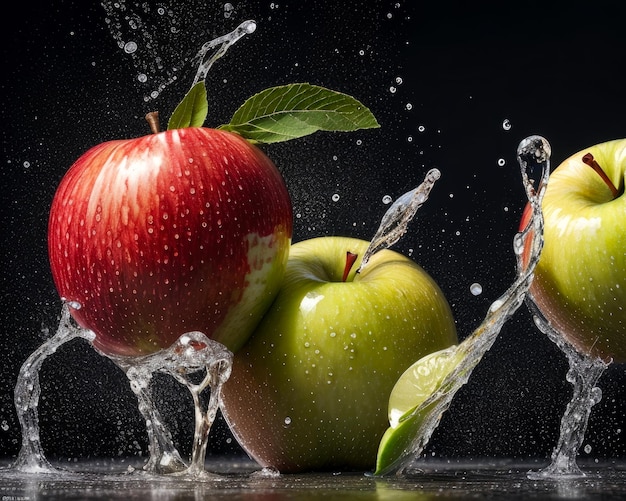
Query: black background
{"type": "Point", "coordinates": [549, 68]}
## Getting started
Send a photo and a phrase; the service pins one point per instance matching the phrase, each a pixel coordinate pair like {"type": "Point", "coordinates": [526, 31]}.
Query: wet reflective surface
{"type": "Point", "coordinates": [241, 479]}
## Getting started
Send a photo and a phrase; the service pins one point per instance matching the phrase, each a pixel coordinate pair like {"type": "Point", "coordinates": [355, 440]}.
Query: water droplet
{"type": "Point", "coordinates": [476, 289]}
{"type": "Point", "coordinates": [409, 106]}
{"type": "Point", "coordinates": [399, 80]}
{"type": "Point", "coordinates": [506, 124]}
{"type": "Point", "coordinates": [287, 421]}
{"type": "Point", "coordinates": [335, 197]}
{"type": "Point", "coordinates": [421, 128]}
{"type": "Point", "coordinates": [387, 199]}
{"type": "Point", "coordinates": [587, 448]}
{"type": "Point", "coordinates": [142, 77]}
{"type": "Point", "coordinates": [130, 47]}
{"type": "Point", "coordinates": [26, 164]}
{"type": "Point", "coordinates": [392, 89]}
{"type": "Point", "coordinates": [501, 162]}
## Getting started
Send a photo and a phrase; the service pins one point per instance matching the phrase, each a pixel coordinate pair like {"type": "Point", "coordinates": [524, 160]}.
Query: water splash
{"type": "Point", "coordinates": [584, 373]}
{"type": "Point", "coordinates": [31, 458]}
{"type": "Point", "coordinates": [222, 44]}
{"type": "Point", "coordinates": [193, 354]}
{"type": "Point", "coordinates": [395, 222]}
{"type": "Point", "coordinates": [533, 157]}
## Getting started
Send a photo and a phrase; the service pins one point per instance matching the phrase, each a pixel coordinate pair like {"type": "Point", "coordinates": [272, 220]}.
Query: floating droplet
{"type": "Point", "coordinates": [387, 199]}
{"type": "Point", "coordinates": [142, 77]}
{"type": "Point", "coordinates": [287, 421]}
{"type": "Point", "coordinates": [421, 128]}
{"type": "Point", "coordinates": [501, 162]}
{"type": "Point", "coordinates": [476, 289]}
{"type": "Point", "coordinates": [335, 197]}
{"type": "Point", "coordinates": [130, 47]}
{"type": "Point", "coordinates": [506, 124]}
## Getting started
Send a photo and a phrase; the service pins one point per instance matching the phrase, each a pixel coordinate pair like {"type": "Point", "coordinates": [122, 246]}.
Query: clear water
{"type": "Point", "coordinates": [200, 364]}
{"type": "Point", "coordinates": [534, 158]}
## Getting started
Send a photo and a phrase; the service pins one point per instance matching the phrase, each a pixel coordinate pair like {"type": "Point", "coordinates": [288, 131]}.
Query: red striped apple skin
{"type": "Point", "coordinates": [187, 229]}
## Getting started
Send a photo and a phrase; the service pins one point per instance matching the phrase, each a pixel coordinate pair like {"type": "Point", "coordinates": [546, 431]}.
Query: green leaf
{"type": "Point", "coordinates": [296, 110]}
{"type": "Point", "coordinates": [192, 110]}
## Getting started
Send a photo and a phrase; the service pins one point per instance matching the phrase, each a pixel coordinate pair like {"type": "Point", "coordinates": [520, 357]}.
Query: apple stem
{"type": "Point", "coordinates": [591, 162]}
{"type": "Point", "coordinates": [350, 259]}
{"type": "Point", "coordinates": [153, 120]}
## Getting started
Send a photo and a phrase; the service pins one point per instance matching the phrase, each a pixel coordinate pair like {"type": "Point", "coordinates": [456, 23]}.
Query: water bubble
{"type": "Point", "coordinates": [228, 10]}
{"type": "Point", "coordinates": [387, 199]}
{"type": "Point", "coordinates": [361, 52]}
{"type": "Point", "coordinates": [399, 80]}
{"type": "Point", "coordinates": [501, 162]}
{"type": "Point", "coordinates": [335, 197]}
{"type": "Point", "coordinates": [587, 448]}
{"type": "Point", "coordinates": [409, 106]}
{"type": "Point", "coordinates": [287, 421]}
{"type": "Point", "coordinates": [476, 289]}
{"type": "Point", "coordinates": [26, 164]}
{"type": "Point", "coordinates": [392, 89]}
{"type": "Point", "coordinates": [421, 128]}
{"type": "Point", "coordinates": [130, 47]}
{"type": "Point", "coordinates": [506, 124]}
{"type": "Point", "coordinates": [142, 77]}
{"type": "Point", "coordinates": [4, 425]}
{"type": "Point", "coordinates": [161, 11]}
{"type": "Point", "coordinates": [249, 26]}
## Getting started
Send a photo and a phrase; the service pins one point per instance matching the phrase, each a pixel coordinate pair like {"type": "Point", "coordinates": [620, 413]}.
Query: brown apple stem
{"type": "Point", "coordinates": [591, 162]}
{"type": "Point", "coordinates": [350, 259]}
{"type": "Point", "coordinates": [153, 120]}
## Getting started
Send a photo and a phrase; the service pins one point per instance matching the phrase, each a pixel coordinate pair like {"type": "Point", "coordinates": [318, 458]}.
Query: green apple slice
{"type": "Point", "coordinates": [410, 403]}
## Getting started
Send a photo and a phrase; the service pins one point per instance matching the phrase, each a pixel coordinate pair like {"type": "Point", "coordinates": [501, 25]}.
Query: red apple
{"type": "Point", "coordinates": [187, 229]}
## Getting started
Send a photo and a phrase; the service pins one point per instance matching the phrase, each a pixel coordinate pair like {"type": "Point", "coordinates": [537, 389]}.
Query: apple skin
{"type": "Point", "coordinates": [183, 230]}
{"type": "Point", "coordinates": [309, 390]}
{"type": "Point", "coordinates": [580, 279]}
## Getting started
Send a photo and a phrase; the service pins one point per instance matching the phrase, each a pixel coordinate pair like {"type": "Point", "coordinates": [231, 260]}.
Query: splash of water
{"type": "Point", "coordinates": [222, 44]}
{"type": "Point", "coordinates": [31, 458]}
{"type": "Point", "coordinates": [533, 157]}
{"type": "Point", "coordinates": [395, 222]}
{"type": "Point", "coordinates": [584, 373]}
{"type": "Point", "coordinates": [192, 354]}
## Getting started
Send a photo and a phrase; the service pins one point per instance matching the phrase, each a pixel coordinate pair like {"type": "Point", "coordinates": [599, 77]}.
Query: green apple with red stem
{"type": "Point", "coordinates": [580, 279]}
{"type": "Point", "coordinates": [309, 390]}
{"type": "Point", "coordinates": [186, 229]}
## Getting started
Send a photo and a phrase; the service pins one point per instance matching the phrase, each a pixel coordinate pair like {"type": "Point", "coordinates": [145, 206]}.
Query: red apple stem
{"type": "Point", "coordinates": [153, 120]}
{"type": "Point", "coordinates": [591, 162]}
{"type": "Point", "coordinates": [350, 259]}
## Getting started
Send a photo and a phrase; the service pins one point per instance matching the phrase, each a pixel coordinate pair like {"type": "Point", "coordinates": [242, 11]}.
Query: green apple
{"type": "Point", "coordinates": [309, 390]}
{"type": "Point", "coordinates": [580, 280]}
